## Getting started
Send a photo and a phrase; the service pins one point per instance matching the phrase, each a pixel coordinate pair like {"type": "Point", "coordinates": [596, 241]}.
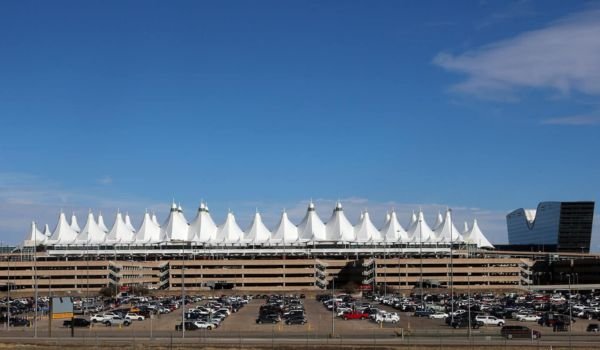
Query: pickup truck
{"type": "Point", "coordinates": [355, 316]}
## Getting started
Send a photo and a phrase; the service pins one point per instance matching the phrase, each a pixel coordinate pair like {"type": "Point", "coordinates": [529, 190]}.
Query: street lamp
{"type": "Point", "coordinates": [333, 303]}
{"type": "Point", "coordinates": [469, 299]}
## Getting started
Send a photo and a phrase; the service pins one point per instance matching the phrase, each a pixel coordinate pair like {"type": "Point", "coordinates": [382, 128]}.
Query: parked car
{"type": "Point", "coordinates": [463, 322]}
{"type": "Point", "coordinates": [204, 325]}
{"type": "Point", "coordinates": [423, 312]}
{"type": "Point", "coordinates": [18, 322]}
{"type": "Point", "coordinates": [528, 318]}
{"type": "Point", "coordinates": [100, 318]}
{"type": "Point", "coordinates": [133, 316]}
{"type": "Point", "coordinates": [266, 319]}
{"type": "Point", "coordinates": [189, 326]}
{"type": "Point", "coordinates": [593, 327]}
{"type": "Point", "coordinates": [354, 315]}
{"type": "Point", "coordinates": [388, 318]}
{"type": "Point", "coordinates": [117, 321]}
{"type": "Point", "coordinates": [296, 320]}
{"type": "Point", "coordinates": [491, 320]}
{"type": "Point", "coordinates": [438, 315]}
{"type": "Point", "coordinates": [76, 322]}
{"type": "Point", "coordinates": [510, 332]}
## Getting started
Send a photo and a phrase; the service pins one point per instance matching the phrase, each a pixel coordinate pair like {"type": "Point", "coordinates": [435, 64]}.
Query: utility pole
{"type": "Point", "coordinates": [333, 303]}
{"type": "Point", "coordinates": [451, 266]}
{"type": "Point", "coordinates": [35, 282]}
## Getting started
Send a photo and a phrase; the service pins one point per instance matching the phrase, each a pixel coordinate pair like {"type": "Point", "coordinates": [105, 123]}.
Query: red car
{"type": "Point", "coordinates": [355, 315]}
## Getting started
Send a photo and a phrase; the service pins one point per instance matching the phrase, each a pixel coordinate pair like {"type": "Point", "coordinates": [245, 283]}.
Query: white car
{"type": "Point", "coordinates": [491, 320]}
{"type": "Point", "coordinates": [100, 318]}
{"type": "Point", "coordinates": [438, 315]}
{"type": "Point", "coordinates": [528, 318]}
{"type": "Point", "coordinates": [204, 325]}
{"type": "Point", "coordinates": [388, 318]}
{"type": "Point", "coordinates": [132, 316]}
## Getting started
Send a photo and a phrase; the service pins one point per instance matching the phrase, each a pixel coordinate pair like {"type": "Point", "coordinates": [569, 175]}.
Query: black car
{"type": "Point", "coordinates": [423, 312]}
{"type": "Point", "coordinates": [296, 320]}
{"type": "Point", "coordinates": [189, 326]}
{"type": "Point", "coordinates": [18, 322]}
{"type": "Point", "coordinates": [463, 322]}
{"type": "Point", "coordinates": [76, 322]}
{"type": "Point", "coordinates": [593, 327]}
{"type": "Point", "coordinates": [266, 319]}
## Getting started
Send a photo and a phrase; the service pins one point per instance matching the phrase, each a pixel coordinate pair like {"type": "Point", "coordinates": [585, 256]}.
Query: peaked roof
{"type": "Point", "coordinates": [412, 220]}
{"type": "Point", "coordinates": [338, 228]}
{"type": "Point", "coordinates": [202, 228]}
{"type": "Point", "coordinates": [175, 227]}
{"type": "Point", "coordinates": [128, 223]}
{"type": "Point", "coordinates": [91, 233]}
{"type": "Point", "coordinates": [475, 236]}
{"type": "Point", "coordinates": [47, 231]}
{"type": "Point", "coordinates": [438, 221]}
{"type": "Point", "coordinates": [120, 233]}
{"type": "Point", "coordinates": [35, 237]}
{"type": "Point", "coordinates": [257, 232]}
{"type": "Point", "coordinates": [285, 231]}
{"type": "Point", "coordinates": [63, 233]}
{"type": "Point", "coordinates": [419, 231]}
{"type": "Point", "coordinates": [365, 231]}
{"type": "Point", "coordinates": [149, 231]}
{"type": "Point", "coordinates": [101, 223]}
{"type": "Point", "coordinates": [229, 232]}
{"type": "Point", "coordinates": [311, 228]}
{"type": "Point", "coordinates": [155, 219]}
{"type": "Point", "coordinates": [446, 232]}
{"type": "Point", "coordinates": [392, 231]}
{"type": "Point", "coordinates": [74, 224]}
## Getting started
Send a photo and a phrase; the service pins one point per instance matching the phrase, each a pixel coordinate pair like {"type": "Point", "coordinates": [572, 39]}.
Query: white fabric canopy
{"type": "Point", "coordinates": [285, 231]}
{"type": "Point", "coordinates": [338, 228]}
{"type": "Point", "coordinates": [91, 233]}
{"type": "Point", "coordinates": [311, 228]}
{"type": "Point", "coordinates": [365, 231]}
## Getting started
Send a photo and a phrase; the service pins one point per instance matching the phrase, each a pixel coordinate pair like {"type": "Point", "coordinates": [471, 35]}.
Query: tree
{"type": "Point", "coordinates": [107, 292]}
{"type": "Point", "coordinates": [350, 287]}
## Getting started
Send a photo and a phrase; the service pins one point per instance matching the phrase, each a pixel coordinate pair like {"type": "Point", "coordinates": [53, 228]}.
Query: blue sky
{"type": "Point", "coordinates": [481, 106]}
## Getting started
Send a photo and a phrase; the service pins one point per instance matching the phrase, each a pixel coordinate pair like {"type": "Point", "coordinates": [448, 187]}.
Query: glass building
{"type": "Point", "coordinates": [560, 226]}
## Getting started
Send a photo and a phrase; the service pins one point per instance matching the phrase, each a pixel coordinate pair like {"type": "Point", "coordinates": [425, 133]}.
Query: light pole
{"type": "Point", "coordinates": [183, 297]}
{"type": "Point", "coordinates": [333, 303]}
{"type": "Point", "coordinates": [451, 266]}
{"type": "Point", "coordinates": [469, 299]}
{"type": "Point", "coordinates": [35, 302]}
{"type": "Point", "coordinates": [570, 311]}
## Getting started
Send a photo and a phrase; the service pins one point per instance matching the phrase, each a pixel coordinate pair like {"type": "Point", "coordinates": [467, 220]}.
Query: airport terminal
{"type": "Point", "coordinates": [310, 256]}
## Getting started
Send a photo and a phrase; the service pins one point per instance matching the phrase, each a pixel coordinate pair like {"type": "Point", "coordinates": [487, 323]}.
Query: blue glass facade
{"type": "Point", "coordinates": [565, 225]}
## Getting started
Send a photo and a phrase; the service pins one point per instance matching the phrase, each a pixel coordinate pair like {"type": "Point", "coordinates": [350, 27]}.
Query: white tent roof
{"type": "Point", "coordinates": [285, 231]}
{"type": "Point", "coordinates": [63, 233]}
{"type": "Point", "coordinates": [465, 230]}
{"type": "Point", "coordinates": [392, 231]}
{"type": "Point", "coordinates": [74, 224]}
{"type": "Point", "coordinates": [91, 233]}
{"type": "Point", "coordinates": [257, 232]}
{"type": "Point", "coordinates": [149, 231]}
{"type": "Point", "coordinates": [101, 223]}
{"type": "Point", "coordinates": [128, 223]}
{"type": "Point", "coordinates": [475, 236]}
{"type": "Point", "coordinates": [413, 219]}
{"type": "Point", "coordinates": [47, 231]}
{"type": "Point", "coordinates": [438, 221]}
{"type": "Point", "coordinates": [120, 233]}
{"type": "Point", "coordinates": [155, 219]}
{"type": "Point", "coordinates": [419, 231]}
{"type": "Point", "coordinates": [229, 232]}
{"type": "Point", "coordinates": [175, 227]}
{"type": "Point", "coordinates": [35, 237]}
{"type": "Point", "coordinates": [338, 228]}
{"type": "Point", "coordinates": [365, 231]}
{"type": "Point", "coordinates": [311, 228]}
{"type": "Point", "coordinates": [446, 231]}
{"type": "Point", "coordinates": [203, 228]}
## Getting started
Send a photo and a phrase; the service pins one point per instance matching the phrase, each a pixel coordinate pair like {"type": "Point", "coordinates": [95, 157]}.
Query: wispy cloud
{"type": "Point", "coordinates": [575, 120]}
{"type": "Point", "coordinates": [105, 180]}
{"type": "Point", "coordinates": [515, 9]}
{"type": "Point", "coordinates": [562, 57]}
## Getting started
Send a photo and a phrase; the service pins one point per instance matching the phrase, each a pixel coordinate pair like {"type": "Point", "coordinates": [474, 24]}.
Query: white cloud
{"type": "Point", "coordinates": [105, 180]}
{"type": "Point", "coordinates": [564, 56]}
{"type": "Point", "coordinates": [576, 120]}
